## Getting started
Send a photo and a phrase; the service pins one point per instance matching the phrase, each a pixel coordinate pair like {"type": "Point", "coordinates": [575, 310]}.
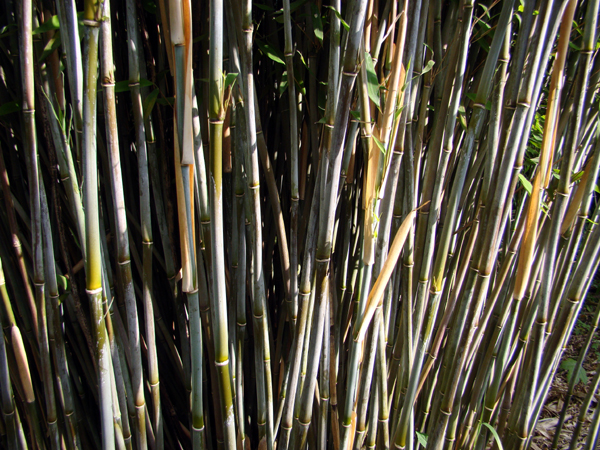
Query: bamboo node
{"type": "Point", "coordinates": [91, 23]}
{"type": "Point", "coordinates": [94, 291]}
{"type": "Point", "coordinates": [304, 424]}
{"type": "Point", "coordinates": [222, 363]}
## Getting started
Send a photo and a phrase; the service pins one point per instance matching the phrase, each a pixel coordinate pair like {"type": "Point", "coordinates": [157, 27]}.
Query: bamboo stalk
{"type": "Point", "coordinates": [294, 187]}
{"type": "Point", "coordinates": [93, 258]}
{"type": "Point", "coordinates": [219, 297]}
{"type": "Point", "coordinates": [8, 405]}
{"type": "Point", "coordinates": [146, 222]}
{"type": "Point", "coordinates": [262, 345]}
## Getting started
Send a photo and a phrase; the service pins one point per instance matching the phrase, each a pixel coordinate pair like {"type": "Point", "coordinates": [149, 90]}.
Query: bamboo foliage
{"type": "Point", "coordinates": [378, 222]}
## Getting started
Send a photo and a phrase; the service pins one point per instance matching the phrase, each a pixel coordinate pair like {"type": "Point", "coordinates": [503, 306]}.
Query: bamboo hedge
{"type": "Point", "coordinates": [333, 225]}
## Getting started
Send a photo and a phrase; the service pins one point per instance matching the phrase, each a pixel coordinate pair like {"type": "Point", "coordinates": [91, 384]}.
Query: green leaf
{"type": "Point", "coordinates": [230, 80]}
{"type": "Point", "coordinates": [316, 20]}
{"type": "Point", "coordinates": [495, 434]}
{"type": "Point", "coordinates": [462, 117]}
{"type": "Point", "coordinates": [379, 144]}
{"type": "Point", "coordinates": [149, 102]}
{"type": "Point", "coordinates": [283, 84]}
{"type": "Point", "coordinates": [339, 16]}
{"type": "Point", "coordinates": [62, 298]}
{"type": "Point", "coordinates": [62, 282]}
{"type": "Point", "coordinates": [52, 45]}
{"type": "Point", "coordinates": [271, 52]}
{"type": "Point", "coordinates": [51, 24]}
{"type": "Point", "coordinates": [166, 101]}
{"type": "Point", "coordinates": [149, 6]}
{"type": "Point", "coordinates": [428, 66]}
{"type": "Point", "coordinates": [372, 81]}
{"type": "Point", "coordinates": [422, 438]}
{"type": "Point", "coordinates": [297, 4]}
{"type": "Point", "coordinates": [573, 369]}
{"type": "Point", "coordinates": [473, 97]}
{"type": "Point", "coordinates": [122, 86]}
{"type": "Point", "coordinates": [356, 115]}
{"type": "Point", "coordinates": [9, 107]}
{"type": "Point", "coordinates": [526, 184]}
{"type": "Point", "coordinates": [597, 189]}
{"type": "Point", "coordinates": [263, 7]}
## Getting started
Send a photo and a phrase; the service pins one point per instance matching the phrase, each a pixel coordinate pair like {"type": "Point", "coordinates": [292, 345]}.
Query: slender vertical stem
{"type": "Point", "coordinates": [122, 235]}
{"type": "Point", "coordinates": [219, 298]}
{"type": "Point", "coordinates": [93, 258]}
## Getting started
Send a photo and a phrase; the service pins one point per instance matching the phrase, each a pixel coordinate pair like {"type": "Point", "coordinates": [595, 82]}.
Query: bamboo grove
{"type": "Point", "coordinates": [333, 225]}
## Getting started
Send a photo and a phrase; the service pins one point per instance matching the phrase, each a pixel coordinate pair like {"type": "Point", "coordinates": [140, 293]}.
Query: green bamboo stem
{"type": "Point", "coordinates": [146, 223]}
{"type": "Point", "coordinates": [258, 298]}
{"type": "Point", "coordinates": [36, 219]}
{"type": "Point", "coordinates": [17, 248]}
{"type": "Point", "coordinates": [527, 250]}
{"type": "Point", "coordinates": [30, 144]}
{"type": "Point", "coordinates": [331, 167]}
{"type": "Point", "coordinates": [6, 394]}
{"type": "Point", "coordinates": [299, 337]}
{"type": "Point", "coordinates": [67, 13]}
{"type": "Point", "coordinates": [324, 385]}
{"type": "Point", "coordinates": [93, 259]}
{"type": "Point", "coordinates": [56, 339]}
{"type": "Point", "coordinates": [571, 299]}
{"type": "Point", "coordinates": [295, 198]}
{"type": "Point", "coordinates": [473, 131]}
{"type": "Point", "coordinates": [366, 377]}
{"type": "Point", "coordinates": [218, 303]}
{"type": "Point", "coordinates": [238, 263]}
{"type": "Point", "coordinates": [120, 221]}
{"type": "Point", "coordinates": [503, 184]}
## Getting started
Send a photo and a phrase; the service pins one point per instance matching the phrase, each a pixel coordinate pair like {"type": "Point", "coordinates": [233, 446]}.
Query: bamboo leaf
{"type": "Point", "coordinates": [149, 102]}
{"type": "Point", "coordinates": [317, 22]}
{"type": "Point", "coordinates": [271, 52]}
{"type": "Point", "coordinates": [149, 6]}
{"type": "Point", "coordinates": [123, 86]}
{"type": "Point", "coordinates": [52, 45]}
{"type": "Point", "coordinates": [376, 294]}
{"type": "Point", "coordinates": [10, 107]}
{"type": "Point", "coordinates": [574, 370]}
{"type": "Point", "coordinates": [372, 81]}
{"type": "Point", "coordinates": [263, 7]}
{"type": "Point", "coordinates": [51, 24]}
{"type": "Point", "coordinates": [379, 144]}
{"type": "Point", "coordinates": [422, 438]}
{"type": "Point", "coordinates": [62, 282]}
{"type": "Point", "coordinates": [428, 66]}
{"type": "Point", "coordinates": [283, 84]}
{"type": "Point", "coordinates": [525, 182]}
{"type": "Point", "coordinates": [229, 80]}
{"type": "Point", "coordinates": [495, 434]}
{"type": "Point", "coordinates": [339, 16]}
